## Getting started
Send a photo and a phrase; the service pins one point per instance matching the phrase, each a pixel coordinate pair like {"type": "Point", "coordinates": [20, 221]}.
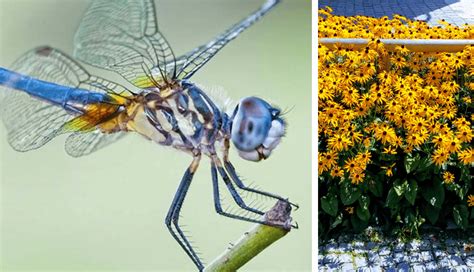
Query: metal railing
{"type": "Point", "coordinates": [414, 45]}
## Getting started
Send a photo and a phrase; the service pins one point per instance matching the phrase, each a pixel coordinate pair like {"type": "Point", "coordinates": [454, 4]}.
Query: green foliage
{"type": "Point", "coordinates": [416, 194]}
{"type": "Point", "coordinates": [329, 204]}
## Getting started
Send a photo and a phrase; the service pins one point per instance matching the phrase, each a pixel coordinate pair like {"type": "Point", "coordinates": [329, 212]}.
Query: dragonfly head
{"type": "Point", "coordinates": [257, 128]}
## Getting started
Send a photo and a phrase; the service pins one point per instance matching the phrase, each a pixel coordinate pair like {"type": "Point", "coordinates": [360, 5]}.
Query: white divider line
{"type": "Point", "coordinates": [414, 45]}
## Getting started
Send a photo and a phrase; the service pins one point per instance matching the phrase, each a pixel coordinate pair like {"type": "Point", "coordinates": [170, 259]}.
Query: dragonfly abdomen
{"type": "Point", "coordinates": [70, 98]}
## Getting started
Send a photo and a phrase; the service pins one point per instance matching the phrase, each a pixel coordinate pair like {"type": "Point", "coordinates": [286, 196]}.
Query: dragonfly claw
{"type": "Point", "coordinates": [295, 226]}
{"type": "Point", "coordinates": [296, 206]}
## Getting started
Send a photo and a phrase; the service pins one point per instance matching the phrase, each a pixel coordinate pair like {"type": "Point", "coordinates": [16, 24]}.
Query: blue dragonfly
{"type": "Point", "coordinates": [53, 95]}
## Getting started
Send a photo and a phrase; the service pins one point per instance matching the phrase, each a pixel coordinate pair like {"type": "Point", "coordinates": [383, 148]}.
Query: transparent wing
{"type": "Point", "coordinates": [123, 36]}
{"type": "Point", "coordinates": [30, 123]}
{"type": "Point", "coordinates": [80, 144]}
{"type": "Point", "coordinates": [191, 62]}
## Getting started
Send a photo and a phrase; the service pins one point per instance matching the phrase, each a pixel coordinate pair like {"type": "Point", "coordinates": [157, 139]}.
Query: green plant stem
{"type": "Point", "coordinates": [254, 241]}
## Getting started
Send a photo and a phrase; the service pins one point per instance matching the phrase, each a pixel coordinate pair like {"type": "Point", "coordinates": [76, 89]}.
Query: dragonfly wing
{"type": "Point", "coordinates": [80, 144]}
{"type": "Point", "coordinates": [123, 36]}
{"type": "Point", "coordinates": [191, 62]}
{"type": "Point", "coordinates": [30, 122]}
{"type": "Point", "coordinates": [30, 125]}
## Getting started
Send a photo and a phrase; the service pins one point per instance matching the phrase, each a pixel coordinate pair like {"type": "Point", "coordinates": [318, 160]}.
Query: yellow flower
{"type": "Point", "coordinates": [417, 124]}
{"type": "Point", "coordinates": [392, 102]}
{"type": "Point", "coordinates": [352, 165]}
{"type": "Point", "coordinates": [456, 63]}
{"type": "Point", "coordinates": [329, 160]}
{"type": "Point", "coordinates": [440, 156]}
{"type": "Point", "coordinates": [398, 61]}
{"type": "Point", "coordinates": [364, 158]}
{"type": "Point", "coordinates": [337, 172]}
{"type": "Point", "coordinates": [357, 177]}
{"type": "Point", "coordinates": [416, 139]}
{"type": "Point", "coordinates": [461, 123]}
{"type": "Point", "coordinates": [402, 49]}
{"type": "Point", "coordinates": [349, 210]}
{"type": "Point", "coordinates": [448, 177]}
{"type": "Point", "coordinates": [451, 86]}
{"type": "Point", "coordinates": [464, 135]}
{"type": "Point", "coordinates": [470, 200]}
{"type": "Point", "coordinates": [367, 142]}
{"type": "Point", "coordinates": [398, 142]}
{"type": "Point", "coordinates": [355, 136]}
{"type": "Point", "coordinates": [389, 151]}
{"type": "Point", "coordinates": [385, 134]}
{"type": "Point", "coordinates": [389, 170]}
{"type": "Point", "coordinates": [453, 145]}
{"type": "Point", "coordinates": [339, 142]}
{"type": "Point", "coordinates": [331, 116]}
{"type": "Point", "coordinates": [439, 140]}
{"type": "Point", "coordinates": [466, 156]}
{"type": "Point", "coordinates": [321, 167]}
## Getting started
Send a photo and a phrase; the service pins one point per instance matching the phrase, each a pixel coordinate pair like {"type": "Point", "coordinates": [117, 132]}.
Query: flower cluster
{"type": "Point", "coordinates": [380, 108]}
{"type": "Point", "coordinates": [399, 27]}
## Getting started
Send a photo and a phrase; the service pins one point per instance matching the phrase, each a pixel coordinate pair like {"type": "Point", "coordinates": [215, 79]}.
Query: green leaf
{"type": "Point", "coordinates": [337, 221]}
{"type": "Point", "coordinates": [363, 214]}
{"type": "Point", "coordinates": [460, 214]}
{"type": "Point", "coordinates": [392, 199]}
{"type": "Point", "coordinates": [375, 187]}
{"type": "Point", "coordinates": [358, 224]}
{"type": "Point", "coordinates": [364, 202]}
{"type": "Point", "coordinates": [430, 212]}
{"type": "Point", "coordinates": [408, 162]}
{"type": "Point", "coordinates": [462, 192]}
{"type": "Point", "coordinates": [329, 204]}
{"type": "Point", "coordinates": [410, 193]}
{"type": "Point", "coordinates": [465, 174]}
{"type": "Point", "coordinates": [321, 229]}
{"type": "Point", "coordinates": [423, 165]}
{"type": "Point", "coordinates": [349, 194]}
{"type": "Point", "coordinates": [409, 217]}
{"type": "Point", "coordinates": [400, 188]}
{"type": "Point", "coordinates": [434, 194]}
{"type": "Point", "coordinates": [363, 208]}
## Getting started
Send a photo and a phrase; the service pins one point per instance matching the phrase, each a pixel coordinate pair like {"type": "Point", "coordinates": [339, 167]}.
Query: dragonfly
{"type": "Point", "coordinates": [51, 94]}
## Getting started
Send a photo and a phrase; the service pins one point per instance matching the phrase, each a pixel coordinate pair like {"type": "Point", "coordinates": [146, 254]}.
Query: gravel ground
{"type": "Point", "coordinates": [457, 12]}
{"type": "Point", "coordinates": [435, 250]}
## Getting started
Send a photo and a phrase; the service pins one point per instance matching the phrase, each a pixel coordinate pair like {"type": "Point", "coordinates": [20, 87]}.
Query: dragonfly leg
{"type": "Point", "coordinates": [228, 182]}
{"type": "Point", "coordinates": [235, 177]}
{"type": "Point", "coordinates": [217, 199]}
{"type": "Point", "coordinates": [172, 217]}
{"type": "Point", "coordinates": [218, 206]}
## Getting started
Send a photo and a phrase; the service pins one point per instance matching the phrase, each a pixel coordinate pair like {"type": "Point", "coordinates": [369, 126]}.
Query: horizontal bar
{"type": "Point", "coordinates": [414, 45]}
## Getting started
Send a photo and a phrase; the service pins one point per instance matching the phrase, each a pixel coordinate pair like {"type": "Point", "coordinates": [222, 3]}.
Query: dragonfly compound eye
{"type": "Point", "coordinates": [256, 128]}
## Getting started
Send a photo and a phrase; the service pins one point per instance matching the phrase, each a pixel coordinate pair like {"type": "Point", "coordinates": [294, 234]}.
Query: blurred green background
{"type": "Point", "coordinates": [106, 211]}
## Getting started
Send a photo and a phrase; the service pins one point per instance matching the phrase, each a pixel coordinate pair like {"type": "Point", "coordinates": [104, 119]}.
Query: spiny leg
{"type": "Point", "coordinates": [235, 195]}
{"type": "Point", "coordinates": [218, 206]}
{"type": "Point", "coordinates": [217, 200]}
{"type": "Point", "coordinates": [236, 179]}
{"type": "Point", "coordinates": [172, 217]}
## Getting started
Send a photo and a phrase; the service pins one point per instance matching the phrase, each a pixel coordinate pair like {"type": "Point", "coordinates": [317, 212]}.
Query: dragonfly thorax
{"type": "Point", "coordinates": [186, 118]}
